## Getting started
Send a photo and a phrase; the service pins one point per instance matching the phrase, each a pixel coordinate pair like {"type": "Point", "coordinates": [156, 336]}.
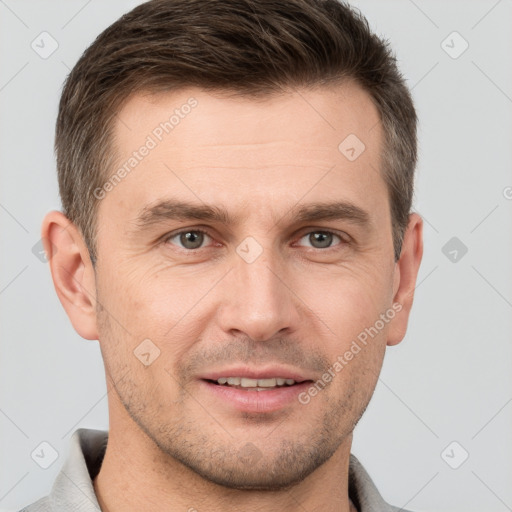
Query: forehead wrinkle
{"type": "Point", "coordinates": [249, 157]}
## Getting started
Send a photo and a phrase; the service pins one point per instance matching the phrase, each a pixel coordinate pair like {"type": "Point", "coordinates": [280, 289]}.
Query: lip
{"type": "Point", "coordinates": [255, 401]}
{"type": "Point", "coordinates": [268, 372]}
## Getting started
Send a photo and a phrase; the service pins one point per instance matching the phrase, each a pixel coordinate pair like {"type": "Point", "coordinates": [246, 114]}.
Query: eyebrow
{"type": "Point", "coordinates": [173, 209]}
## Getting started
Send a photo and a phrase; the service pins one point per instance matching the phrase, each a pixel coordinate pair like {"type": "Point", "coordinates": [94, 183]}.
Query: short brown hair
{"type": "Point", "coordinates": [251, 47]}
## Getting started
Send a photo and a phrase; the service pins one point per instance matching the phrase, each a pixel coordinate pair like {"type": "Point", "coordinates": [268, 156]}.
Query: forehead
{"type": "Point", "coordinates": [196, 117]}
{"type": "Point", "coordinates": [203, 146]}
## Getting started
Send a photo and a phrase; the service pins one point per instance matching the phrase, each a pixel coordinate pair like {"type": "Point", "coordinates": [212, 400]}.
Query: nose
{"type": "Point", "coordinates": [259, 300]}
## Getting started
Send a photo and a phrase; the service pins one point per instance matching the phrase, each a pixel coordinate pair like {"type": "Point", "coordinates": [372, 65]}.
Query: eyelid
{"type": "Point", "coordinates": [344, 237]}
{"type": "Point", "coordinates": [168, 236]}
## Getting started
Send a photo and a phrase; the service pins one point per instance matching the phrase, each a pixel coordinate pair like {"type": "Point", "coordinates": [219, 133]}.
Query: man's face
{"type": "Point", "coordinates": [268, 290]}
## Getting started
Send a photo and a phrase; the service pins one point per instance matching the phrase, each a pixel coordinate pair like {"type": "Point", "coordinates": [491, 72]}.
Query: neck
{"type": "Point", "coordinates": [135, 473]}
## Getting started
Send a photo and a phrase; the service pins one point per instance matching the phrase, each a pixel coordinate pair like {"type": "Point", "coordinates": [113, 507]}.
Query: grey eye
{"type": "Point", "coordinates": [320, 239]}
{"type": "Point", "coordinates": [192, 239]}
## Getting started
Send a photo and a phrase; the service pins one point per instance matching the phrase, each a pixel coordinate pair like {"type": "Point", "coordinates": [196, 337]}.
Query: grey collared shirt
{"type": "Point", "coordinates": [73, 489]}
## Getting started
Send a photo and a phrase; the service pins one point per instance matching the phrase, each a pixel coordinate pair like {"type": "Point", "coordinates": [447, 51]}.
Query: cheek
{"type": "Point", "coordinates": [167, 310]}
{"type": "Point", "coordinates": [140, 299]}
{"type": "Point", "coordinates": [347, 306]}
{"type": "Point", "coordinates": [347, 301]}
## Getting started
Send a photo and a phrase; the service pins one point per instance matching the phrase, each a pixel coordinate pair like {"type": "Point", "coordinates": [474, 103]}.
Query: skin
{"type": "Point", "coordinates": [171, 446]}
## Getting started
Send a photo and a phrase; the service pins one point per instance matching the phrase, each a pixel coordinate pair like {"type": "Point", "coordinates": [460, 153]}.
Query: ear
{"type": "Point", "coordinates": [72, 272]}
{"type": "Point", "coordinates": [406, 272]}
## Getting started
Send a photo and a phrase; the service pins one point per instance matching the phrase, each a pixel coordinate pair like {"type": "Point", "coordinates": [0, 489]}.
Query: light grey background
{"type": "Point", "coordinates": [449, 380]}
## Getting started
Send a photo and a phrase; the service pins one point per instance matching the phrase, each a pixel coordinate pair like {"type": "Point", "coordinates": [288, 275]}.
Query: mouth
{"type": "Point", "coordinates": [254, 395]}
{"type": "Point", "coordinates": [248, 384]}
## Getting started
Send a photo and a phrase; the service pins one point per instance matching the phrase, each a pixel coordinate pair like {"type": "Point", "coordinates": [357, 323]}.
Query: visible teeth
{"type": "Point", "coordinates": [255, 383]}
{"type": "Point", "coordinates": [249, 383]}
{"type": "Point", "coordinates": [266, 383]}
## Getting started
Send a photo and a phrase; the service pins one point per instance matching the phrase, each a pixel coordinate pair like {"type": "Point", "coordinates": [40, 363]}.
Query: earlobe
{"type": "Point", "coordinates": [72, 272]}
{"type": "Point", "coordinates": [406, 273]}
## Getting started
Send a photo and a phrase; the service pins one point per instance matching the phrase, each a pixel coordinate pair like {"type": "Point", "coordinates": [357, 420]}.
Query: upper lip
{"type": "Point", "coordinates": [268, 372]}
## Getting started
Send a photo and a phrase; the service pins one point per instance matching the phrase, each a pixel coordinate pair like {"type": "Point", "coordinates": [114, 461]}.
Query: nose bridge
{"type": "Point", "coordinates": [259, 281]}
{"type": "Point", "coordinates": [258, 302]}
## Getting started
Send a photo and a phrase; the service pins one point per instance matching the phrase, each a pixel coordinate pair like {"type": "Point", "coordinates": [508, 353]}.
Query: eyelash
{"type": "Point", "coordinates": [343, 241]}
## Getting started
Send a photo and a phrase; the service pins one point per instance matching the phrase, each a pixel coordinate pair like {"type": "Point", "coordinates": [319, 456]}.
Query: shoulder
{"type": "Point", "coordinates": [74, 481]}
{"type": "Point", "coordinates": [363, 491]}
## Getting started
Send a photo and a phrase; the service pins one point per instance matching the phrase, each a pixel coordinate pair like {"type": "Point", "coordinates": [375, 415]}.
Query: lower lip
{"type": "Point", "coordinates": [257, 401]}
